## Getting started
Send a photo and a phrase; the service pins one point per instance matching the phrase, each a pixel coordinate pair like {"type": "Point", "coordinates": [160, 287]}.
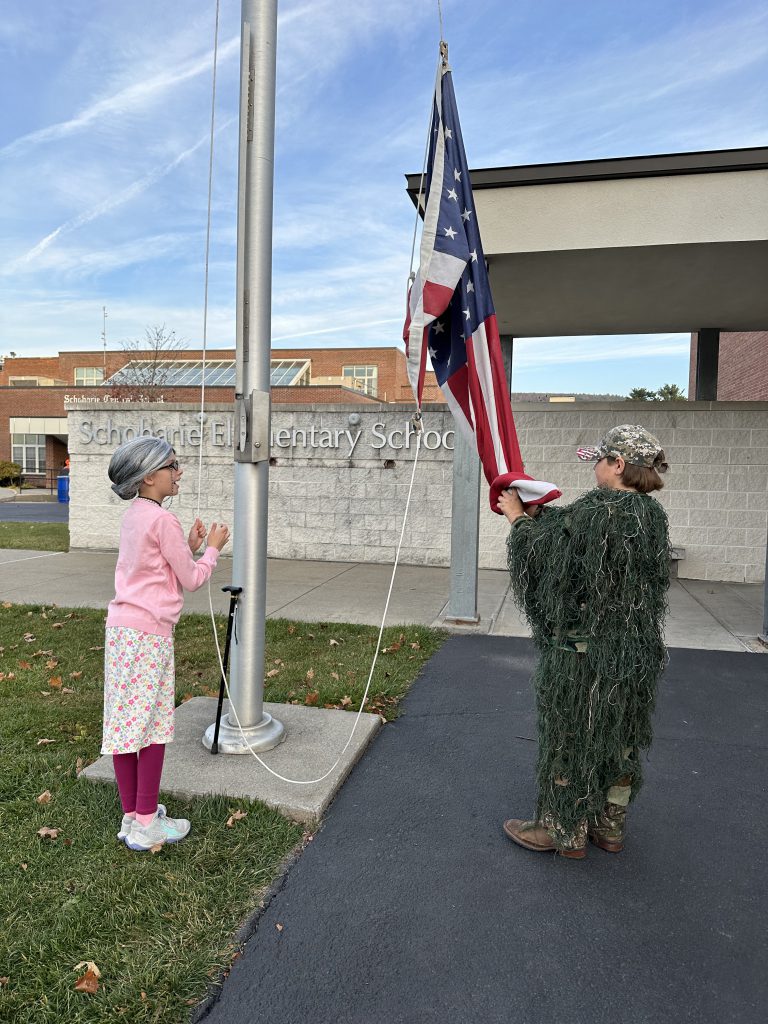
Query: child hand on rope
{"type": "Point", "coordinates": [218, 535]}
{"type": "Point", "coordinates": [196, 536]}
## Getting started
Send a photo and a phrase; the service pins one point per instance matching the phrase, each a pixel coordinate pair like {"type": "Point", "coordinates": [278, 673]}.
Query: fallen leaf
{"type": "Point", "coordinates": [156, 848]}
{"type": "Point", "coordinates": [7, 604]}
{"type": "Point", "coordinates": [57, 625]}
{"type": "Point", "coordinates": [23, 865]}
{"type": "Point", "coordinates": [48, 833]}
{"type": "Point", "coordinates": [68, 842]}
{"type": "Point", "coordinates": [273, 672]}
{"type": "Point", "coordinates": [75, 675]}
{"type": "Point", "coordinates": [55, 682]}
{"type": "Point", "coordinates": [345, 702]}
{"type": "Point", "coordinates": [312, 697]}
{"type": "Point", "coordinates": [45, 693]}
{"type": "Point", "coordinates": [44, 798]}
{"type": "Point", "coordinates": [25, 664]}
{"type": "Point", "coordinates": [236, 816]}
{"type": "Point", "coordinates": [186, 697]}
{"type": "Point", "coordinates": [44, 743]}
{"type": "Point", "coordinates": [52, 663]}
{"type": "Point", "coordinates": [335, 675]}
{"type": "Point", "coordinates": [143, 995]}
{"type": "Point", "coordinates": [416, 646]}
{"type": "Point", "coordinates": [67, 689]}
{"type": "Point", "coordinates": [30, 637]}
{"type": "Point", "coordinates": [79, 765]}
{"type": "Point", "coordinates": [279, 927]}
{"type": "Point", "coordinates": [96, 648]}
{"type": "Point", "coordinates": [310, 675]}
{"type": "Point", "coordinates": [560, 781]}
{"type": "Point", "coordinates": [333, 643]}
{"type": "Point", "coordinates": [310, 636]}
{"type": "Point", "coordinates": [4, 981]}
{"type": "Point", "coordinates": [88, 982]}
{"type": "Point", "coordinates": [291, 630]}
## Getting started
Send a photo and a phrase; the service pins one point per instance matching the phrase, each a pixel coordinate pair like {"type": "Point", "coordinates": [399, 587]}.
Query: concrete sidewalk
{"type": "Point", "coordinates": [703, 615]}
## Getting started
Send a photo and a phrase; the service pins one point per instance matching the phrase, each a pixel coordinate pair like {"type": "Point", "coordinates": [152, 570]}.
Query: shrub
{"type": "Point", "coordinates": [9, 473]}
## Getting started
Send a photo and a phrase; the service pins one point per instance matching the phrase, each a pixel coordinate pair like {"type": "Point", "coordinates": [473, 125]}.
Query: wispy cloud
{"type": "Point", "coordinates": [114, 201]}
{"type": "Point", "coordinates": [137, 95]}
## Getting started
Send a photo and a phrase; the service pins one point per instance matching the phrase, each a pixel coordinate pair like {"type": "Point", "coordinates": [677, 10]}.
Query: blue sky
{"type": "Point", "coordinates": [104, 154]}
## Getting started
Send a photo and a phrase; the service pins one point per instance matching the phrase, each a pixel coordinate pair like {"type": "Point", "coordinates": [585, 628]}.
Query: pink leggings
{"type": "Point", "coordinates": [138, 778]}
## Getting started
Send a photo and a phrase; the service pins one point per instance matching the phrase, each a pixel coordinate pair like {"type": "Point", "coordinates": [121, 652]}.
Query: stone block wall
{"type": "Point", "coordinates": [340, 495]}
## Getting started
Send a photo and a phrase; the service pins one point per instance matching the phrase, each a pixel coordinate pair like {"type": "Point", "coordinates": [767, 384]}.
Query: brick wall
{"type": "Point", "coordinates": [743, 367]}
{"type": "Point", "coordinates": [345, 504]}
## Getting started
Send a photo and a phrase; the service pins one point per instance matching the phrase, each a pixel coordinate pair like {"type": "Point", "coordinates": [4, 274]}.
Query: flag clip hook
{"type": "Point", "coordinates": [417, 422]}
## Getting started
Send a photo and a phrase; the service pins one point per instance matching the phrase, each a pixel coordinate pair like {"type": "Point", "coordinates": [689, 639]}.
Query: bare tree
{"type": "Point", "coordinates": [148, 365]}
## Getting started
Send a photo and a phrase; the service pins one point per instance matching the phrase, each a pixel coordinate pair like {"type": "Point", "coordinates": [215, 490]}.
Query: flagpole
{"type": "Point", "coordinates": [247, 726]}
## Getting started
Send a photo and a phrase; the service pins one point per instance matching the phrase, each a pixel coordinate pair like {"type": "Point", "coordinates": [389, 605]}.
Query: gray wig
{"type": "Point", "coordinates": [134, 460]}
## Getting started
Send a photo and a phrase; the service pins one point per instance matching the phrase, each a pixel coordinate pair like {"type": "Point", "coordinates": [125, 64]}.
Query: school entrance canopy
{"type": "Point", "coordinates": [675, 243]}
{"type": "Point", "coordinates": [651, 244]}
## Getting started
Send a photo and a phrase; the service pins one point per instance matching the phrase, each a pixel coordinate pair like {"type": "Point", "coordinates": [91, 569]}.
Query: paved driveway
{"type": "Point", "coordinates": [33, 512]}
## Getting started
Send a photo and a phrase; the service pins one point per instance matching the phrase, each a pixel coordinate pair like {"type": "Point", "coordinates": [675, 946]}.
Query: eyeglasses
{"type": "Point", "coordinates": [172, 465]}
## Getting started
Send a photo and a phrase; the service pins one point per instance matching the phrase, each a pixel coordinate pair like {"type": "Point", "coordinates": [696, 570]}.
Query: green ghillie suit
{"type": "Point", "coordinates": [592, 579]}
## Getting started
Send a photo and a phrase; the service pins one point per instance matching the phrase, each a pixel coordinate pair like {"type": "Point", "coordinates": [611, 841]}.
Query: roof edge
{"type": "Point", "coordinates": [659, 165]}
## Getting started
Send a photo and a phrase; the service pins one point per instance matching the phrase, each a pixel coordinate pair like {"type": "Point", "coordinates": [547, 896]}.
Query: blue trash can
{"type": "Point", "coordinates": [63, 490]}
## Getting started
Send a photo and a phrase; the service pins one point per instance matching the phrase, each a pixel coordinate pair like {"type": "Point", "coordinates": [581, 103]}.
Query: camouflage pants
{"type": "Point", "coordinates": [609, 823]}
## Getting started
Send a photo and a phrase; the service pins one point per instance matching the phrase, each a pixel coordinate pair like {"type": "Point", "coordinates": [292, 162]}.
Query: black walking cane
{"type": "Point", "coordinates": [234, 596]}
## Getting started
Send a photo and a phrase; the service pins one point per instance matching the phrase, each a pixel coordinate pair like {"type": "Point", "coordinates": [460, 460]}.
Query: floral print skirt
{"type": "Point", "coordinates": [139, 690]}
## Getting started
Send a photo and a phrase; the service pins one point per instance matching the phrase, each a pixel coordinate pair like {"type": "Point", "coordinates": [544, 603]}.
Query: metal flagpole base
{"type": "Point", "coordinates": [267, 734]}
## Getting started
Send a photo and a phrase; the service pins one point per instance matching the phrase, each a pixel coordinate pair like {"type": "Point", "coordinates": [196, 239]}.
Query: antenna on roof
{"type": "Point", "coordinates": [104, 338]}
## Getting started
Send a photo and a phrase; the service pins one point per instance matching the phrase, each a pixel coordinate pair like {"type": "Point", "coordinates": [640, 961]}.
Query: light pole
{"type": "Point", "coordinates": [256, 730]}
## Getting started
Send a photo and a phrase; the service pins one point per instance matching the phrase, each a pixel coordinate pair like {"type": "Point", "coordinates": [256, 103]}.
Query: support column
{"type": "Point", "coordinates": [465, 517]}
{"type": "Point", "coordinates": [507, 346]}
{"type": "Point", "coordinates": [465, 531]}
{"type": "Point", "coordinates": [707, 360]}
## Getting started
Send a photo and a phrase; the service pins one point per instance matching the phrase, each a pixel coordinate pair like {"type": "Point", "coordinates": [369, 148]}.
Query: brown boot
{"type": "Point", "coordinates": [608, 828]}
{"type": "Point", "coordinates": [534, 836]}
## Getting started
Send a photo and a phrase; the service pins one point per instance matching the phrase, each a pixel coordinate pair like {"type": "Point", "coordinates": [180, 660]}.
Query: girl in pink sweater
{"type": "Point", "coordinates": [154, 566]}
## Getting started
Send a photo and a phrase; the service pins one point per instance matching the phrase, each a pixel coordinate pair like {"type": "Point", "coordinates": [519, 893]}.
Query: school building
{"type": "Point", "coordinates": [34, 390]}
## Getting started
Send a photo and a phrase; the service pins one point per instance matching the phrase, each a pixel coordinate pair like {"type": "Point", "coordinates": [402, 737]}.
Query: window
{"type": "Point", "coordinates": [362, 378]}
{"type": "Point", "coordinates": [23, 382]}
{"type": "Point", "coordinates": [289, 372]}
{"type": "Point", "coordinates": [88, 376]}
{"type": "Point", "coordinates": [28, 450]}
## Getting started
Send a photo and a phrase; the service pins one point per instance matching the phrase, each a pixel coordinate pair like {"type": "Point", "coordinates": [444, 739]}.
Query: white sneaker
{"type": "Point", "coordinates": [158, 832]}
{"type": "Point", "coordinates": [125, 827]}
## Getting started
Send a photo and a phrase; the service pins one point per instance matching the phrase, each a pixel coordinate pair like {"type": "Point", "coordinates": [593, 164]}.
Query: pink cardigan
{"type": "Point", "coordinates": [153, 566]}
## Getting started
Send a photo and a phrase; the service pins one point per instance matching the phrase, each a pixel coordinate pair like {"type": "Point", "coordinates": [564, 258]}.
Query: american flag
{"type": "Point", "coordinates": [451, 312]}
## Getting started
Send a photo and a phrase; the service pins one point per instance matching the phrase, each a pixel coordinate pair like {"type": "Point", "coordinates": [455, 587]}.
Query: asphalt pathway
{"type": "Point", "coordinates": [411, 906]}
{"type": "Point", "coordinates": [34, 512]}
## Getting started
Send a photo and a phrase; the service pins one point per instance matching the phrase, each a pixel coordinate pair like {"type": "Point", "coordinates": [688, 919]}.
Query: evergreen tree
{"type": "Point", "coordinates": [670, 393]}
{"type": "Point", "coordinates": [641, 395]}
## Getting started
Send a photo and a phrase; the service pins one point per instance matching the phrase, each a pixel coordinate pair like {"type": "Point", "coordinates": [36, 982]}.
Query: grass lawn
{"type": "Point", "coordinates": [35, 536]}
{"type": "Point", "coordinates": [159, 927]}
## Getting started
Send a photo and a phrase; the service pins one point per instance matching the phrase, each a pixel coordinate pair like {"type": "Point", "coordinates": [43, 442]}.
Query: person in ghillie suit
{"type": "Point", "coordinates": [592, 579]}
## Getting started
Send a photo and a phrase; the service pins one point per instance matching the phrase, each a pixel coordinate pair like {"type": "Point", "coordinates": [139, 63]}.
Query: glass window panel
{"type": "Point", "coordinates": [18, 455]}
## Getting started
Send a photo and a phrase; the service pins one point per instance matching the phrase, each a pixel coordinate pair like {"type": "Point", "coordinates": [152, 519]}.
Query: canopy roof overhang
{"type": "Point", "coordinates": [652, 244]}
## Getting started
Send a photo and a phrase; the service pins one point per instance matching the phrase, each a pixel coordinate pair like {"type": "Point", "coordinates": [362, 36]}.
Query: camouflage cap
{"type": "Point", "coordinates": [630, 442]}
